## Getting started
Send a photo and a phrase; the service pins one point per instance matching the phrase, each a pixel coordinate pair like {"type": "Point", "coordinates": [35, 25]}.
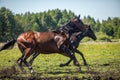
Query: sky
{"type": "Point", "coordinates": [98, 9]}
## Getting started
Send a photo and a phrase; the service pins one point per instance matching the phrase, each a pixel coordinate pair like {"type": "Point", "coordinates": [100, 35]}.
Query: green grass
{"type": "Point", "coordinates": [103, 60]}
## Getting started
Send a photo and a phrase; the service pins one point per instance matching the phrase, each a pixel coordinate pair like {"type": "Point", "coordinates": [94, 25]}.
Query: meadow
{"type": "Point", "coordinates": [103, 63]}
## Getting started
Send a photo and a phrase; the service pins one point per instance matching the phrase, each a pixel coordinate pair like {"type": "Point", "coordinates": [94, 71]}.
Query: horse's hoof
{"type": "Point", "coordinates": [62, 65]}
{"type": "Point", "coordinates": [85, 64]}
{"type": "Point", "coordinates": [79, 69]}
{"type": "Point", "coordinates": [77, 65]}
{"type": "Point", "coordinates": [32, 71]}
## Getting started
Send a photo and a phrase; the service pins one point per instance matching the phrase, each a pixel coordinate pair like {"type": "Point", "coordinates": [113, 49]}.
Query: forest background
{"type": "Point", "coordinates": [11, 25]}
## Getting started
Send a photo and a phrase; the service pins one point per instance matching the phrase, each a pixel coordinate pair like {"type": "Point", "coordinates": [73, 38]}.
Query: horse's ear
{"type": "Point", "coordinates": [89, 27]}
{"type": "Point", "coordinates": [79, 16]}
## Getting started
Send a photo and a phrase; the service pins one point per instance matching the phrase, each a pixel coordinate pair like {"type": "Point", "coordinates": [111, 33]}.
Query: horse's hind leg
{"type": "Point", "coordinates": [34, 55]}
{"type": "Point", "coordinates": [19, 61]}
{"type": "Point", "coordinates": [27, 53]}
{"type": "Point", "coordinates": [28, 65]}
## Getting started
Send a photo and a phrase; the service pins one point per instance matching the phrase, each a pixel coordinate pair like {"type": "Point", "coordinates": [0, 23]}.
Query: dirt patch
{"type": "Point", "coordinates": [8, 72]}
{"type": "Point", "coordinates": [13, 74]}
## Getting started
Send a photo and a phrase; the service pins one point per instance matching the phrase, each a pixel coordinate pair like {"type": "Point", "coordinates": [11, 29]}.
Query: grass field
{"type": "Point", "coordinates": [103, 60]}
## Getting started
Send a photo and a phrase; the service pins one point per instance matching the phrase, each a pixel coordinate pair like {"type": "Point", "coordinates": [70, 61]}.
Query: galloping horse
{"type": "Point", "coordinates": [73, 45]}
{"type": "Point", "coordinates": [32, 43]}
{"type": "Point", "coordinates": [75, 40]}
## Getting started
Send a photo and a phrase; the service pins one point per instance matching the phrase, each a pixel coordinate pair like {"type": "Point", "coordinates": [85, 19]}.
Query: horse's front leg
{"type": "Point", "coordinates": [70, 54]}
{"type": "Point", "coordinates": [80, 53]}
{"type": "Point", "coordinates": [76, 63]}
{"type": "Point", "coordinates": [66, 64]}
{"type": "Point", "coordinates": [19, 62]}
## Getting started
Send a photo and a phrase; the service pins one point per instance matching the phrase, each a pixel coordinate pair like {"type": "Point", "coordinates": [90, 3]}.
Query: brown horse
{"type": "Point", "coordinates": [73, 45]}
{"type": "Point", "coordinates": [44, 42]}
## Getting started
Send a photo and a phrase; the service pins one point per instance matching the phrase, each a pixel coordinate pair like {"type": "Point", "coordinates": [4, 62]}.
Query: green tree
{"type": "Point", "coordinates": [118, 33]}
{"type": "Point", "coordinates": [97, 26]}
{"type": "Point", "coordinates": [35, 27]}
{"type": "Point", "coordinates": [7, 24]}
{"type": "Point", "coordinates": [90, 21]}
{"type": "Point", "coordinates": [116, 24]}
{"type": "Point", "coordinates": [107, 28]}
{"type": "Point", "coordinates": [65, 16]}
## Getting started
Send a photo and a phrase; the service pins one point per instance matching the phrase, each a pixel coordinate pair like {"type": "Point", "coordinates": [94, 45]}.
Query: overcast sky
{"type": "Point", "coordinates": [99, 9]}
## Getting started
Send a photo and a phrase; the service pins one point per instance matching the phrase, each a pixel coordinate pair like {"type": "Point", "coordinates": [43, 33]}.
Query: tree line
{"type": "Point", "coordinates": [11, 25]}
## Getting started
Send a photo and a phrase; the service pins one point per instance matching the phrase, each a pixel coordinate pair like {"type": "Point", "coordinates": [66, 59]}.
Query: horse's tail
{"type": "Point", "coordinates": [7, 45]}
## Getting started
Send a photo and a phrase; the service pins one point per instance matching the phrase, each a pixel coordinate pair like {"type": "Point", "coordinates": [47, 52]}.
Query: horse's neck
{"type": "Point", "coordinates": [79, 37]}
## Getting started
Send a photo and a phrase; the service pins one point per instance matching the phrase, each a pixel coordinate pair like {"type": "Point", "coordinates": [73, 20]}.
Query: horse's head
{"type": "Point", "coordinates": [77, 24]}
{"type": "Point", "coordinates": [89, 32]}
